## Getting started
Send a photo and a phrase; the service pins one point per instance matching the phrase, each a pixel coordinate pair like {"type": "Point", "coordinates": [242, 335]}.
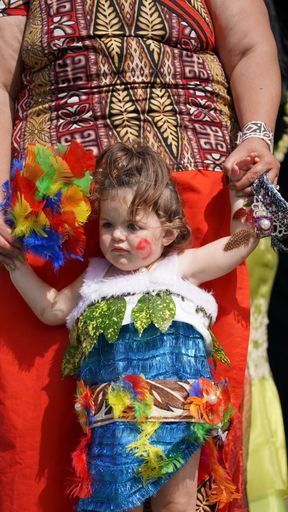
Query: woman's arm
{"type": "Point", "coordinates": [248, 52]}
{"type": "Point", "coordinates": [11, 35]}
{"type": "Point", "coordinates": [49, 305]}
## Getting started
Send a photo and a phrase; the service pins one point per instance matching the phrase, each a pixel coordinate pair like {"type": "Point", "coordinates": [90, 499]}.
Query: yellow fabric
{"type": "Point", "coordinates": [273, 503]}
{"type": "Point", "coordinates": [266, 466]}
{"type": "Point", "coordinates": [266, 470]}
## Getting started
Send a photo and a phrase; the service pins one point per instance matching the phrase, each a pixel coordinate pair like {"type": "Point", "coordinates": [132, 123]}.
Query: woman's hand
{"type": "Point", "coordinates": [241, 176]}
{"type": "Point", "coordinates": [9, 248]}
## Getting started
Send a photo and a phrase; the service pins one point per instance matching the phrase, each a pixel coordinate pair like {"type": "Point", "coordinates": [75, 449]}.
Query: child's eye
{"type": "Point", "coordinates": [132, 227]}
{"type": "Point", "coordinates": [107, 225]}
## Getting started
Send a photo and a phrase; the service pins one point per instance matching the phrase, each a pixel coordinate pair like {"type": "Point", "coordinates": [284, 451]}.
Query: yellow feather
{"type": "Point", "coordinates": [153, 456]}
{"type": "Point", "coordinates": [83, 211]}
{"type": "Point", "coordinates": [73, 199]}
{"type": "Point", "coordinates": [119, 399]}
{"type": "Point", "coordinates": [63, 170]}
{"type": "Point", "coordinates": [25, 220]}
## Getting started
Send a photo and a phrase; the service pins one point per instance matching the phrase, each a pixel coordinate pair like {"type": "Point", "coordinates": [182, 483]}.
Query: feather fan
{"type": "Point", "coordinates": [46, 202]}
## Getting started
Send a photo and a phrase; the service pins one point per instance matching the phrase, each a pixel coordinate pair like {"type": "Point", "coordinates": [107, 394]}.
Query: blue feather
{"type": "Point", "coordinates": [195, 389]}
{"type": "Point", "coordinates": [49, 247]}
{"type": "Point", "coordinates": [54, 202]}
{"type": "Point", "coordinates": [16, 164]}
{"type": "Point", "coordinates": [5, 205]}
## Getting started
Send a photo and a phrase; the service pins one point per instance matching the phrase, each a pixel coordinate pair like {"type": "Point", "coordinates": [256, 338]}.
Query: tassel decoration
{"type": "Point", "coordinates": [46, 201]}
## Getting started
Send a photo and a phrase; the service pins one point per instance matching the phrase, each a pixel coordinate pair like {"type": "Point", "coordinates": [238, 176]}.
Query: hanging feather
{"type": "Point", "coordinates": [153, 457]}
{"type": "Point", "coordinates": [46, 201]}
{"type": "Point", "coordinates": [82, 484]}
{"type": "Point", "coordinates": [223, 490]}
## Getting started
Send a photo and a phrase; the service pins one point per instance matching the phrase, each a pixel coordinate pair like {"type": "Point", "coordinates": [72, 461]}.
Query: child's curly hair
{"type": "Point", "coordinates": [137, 166]}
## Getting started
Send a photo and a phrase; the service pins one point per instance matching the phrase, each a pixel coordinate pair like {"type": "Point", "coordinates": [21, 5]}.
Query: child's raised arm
{"type": "Point", "coordinates": [49, 305]}
{"type": "Point", "coordinates": [221, 256]}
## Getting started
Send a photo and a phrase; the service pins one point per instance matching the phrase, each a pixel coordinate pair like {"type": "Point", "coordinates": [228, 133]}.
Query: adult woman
{"type": "Point", "coordinates": [102, 71]}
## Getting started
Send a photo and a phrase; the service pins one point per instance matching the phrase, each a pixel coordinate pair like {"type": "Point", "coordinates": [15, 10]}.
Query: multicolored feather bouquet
{"type": "Point", "coordinates": [46, 202]}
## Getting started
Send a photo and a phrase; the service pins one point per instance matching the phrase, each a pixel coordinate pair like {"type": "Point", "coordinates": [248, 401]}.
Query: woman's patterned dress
{"type": "Point", "coordinates": [99, 71]}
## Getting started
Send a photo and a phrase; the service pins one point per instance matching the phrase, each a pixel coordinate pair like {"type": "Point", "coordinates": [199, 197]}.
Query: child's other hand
{"type": "Point", "coordinates": [242, 166]}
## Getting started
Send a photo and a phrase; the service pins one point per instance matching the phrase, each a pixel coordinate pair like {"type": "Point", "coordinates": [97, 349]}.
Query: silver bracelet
{"type": "Point", "coordinates": [256, 129]}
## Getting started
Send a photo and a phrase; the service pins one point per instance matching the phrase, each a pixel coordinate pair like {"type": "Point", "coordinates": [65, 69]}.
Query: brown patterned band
{"type": "Point", "coordinates": [169, 397]}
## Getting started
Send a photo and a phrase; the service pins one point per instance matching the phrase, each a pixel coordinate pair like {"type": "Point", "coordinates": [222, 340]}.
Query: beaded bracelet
{"type": "Point", "coordinates": [256, 129]}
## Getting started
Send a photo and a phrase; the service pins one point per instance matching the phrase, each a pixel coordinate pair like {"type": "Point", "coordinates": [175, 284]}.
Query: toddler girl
{"type": "Point", "coordinates": [140, 342]}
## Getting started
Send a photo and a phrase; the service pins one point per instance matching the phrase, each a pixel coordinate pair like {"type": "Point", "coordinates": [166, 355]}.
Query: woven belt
{"type": "Point", "coordinates": [134, 398]}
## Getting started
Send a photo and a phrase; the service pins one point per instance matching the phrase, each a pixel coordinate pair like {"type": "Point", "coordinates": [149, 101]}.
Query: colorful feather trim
{"type": "Point", "coordinates": [84, 405]}
{"type": "Point", "coordinates": [209, 402]}
{"type": "Point", "coordinates": [130, 398]}
{"type": "Point", "coordinates": [223, 490]}
{"type": "Point", "coordinates": [154, 457]}
{"type": "Point", "coordinates": [46, 201]}
{"type": "Point", "coordinates": [82, 485]}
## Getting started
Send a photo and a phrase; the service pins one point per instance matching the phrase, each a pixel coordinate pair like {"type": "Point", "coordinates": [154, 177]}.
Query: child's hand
{"type": "Point", "coordinates": [15, 263]}
{"type": "Point", "coordinates": [242, 166]}
{"type": "Point", "coordinates": [240, 179]}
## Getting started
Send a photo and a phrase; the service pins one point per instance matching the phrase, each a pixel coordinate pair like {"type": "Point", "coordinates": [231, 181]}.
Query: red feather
{"type": "Point", "coordinates": [79, 159]}
{"type": "Point", "coordinates": [82, 485]}
{"type": "Point", "coordinates": [140, 386]}
{"type": "Point", "coordinates": [26, 188]}
{"type": "Point", "coordinates": [75, 243]}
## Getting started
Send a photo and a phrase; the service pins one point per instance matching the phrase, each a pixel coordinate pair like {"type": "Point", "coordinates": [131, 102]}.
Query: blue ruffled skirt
{"type": "Point", "coordinates": [177, 354]}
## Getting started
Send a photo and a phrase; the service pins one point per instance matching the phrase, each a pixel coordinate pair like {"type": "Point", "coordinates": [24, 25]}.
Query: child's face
{"type": "Point", "coordinates": [125, 243]}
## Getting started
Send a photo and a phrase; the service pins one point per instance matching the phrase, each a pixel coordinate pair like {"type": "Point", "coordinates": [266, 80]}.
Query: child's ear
{"type": "Point", "coordinates": [169, 236]}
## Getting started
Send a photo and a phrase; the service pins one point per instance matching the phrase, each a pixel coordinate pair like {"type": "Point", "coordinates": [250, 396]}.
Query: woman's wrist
{"type": "Point", "coordinates": [256, 129]}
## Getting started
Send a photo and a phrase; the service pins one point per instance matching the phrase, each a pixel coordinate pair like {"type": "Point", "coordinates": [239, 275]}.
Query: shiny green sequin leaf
{"type": "Point", "coordinates": [104, 317]}
{"type": "Point", "coordinates": [141, 313]}
{"type": "Point", "coordinates": [158, 309]}
{"type": "Point", "coordinates": [88, 325]}
{"type": "Point", "coordinates": [163, 310]}
{"type": "Point", "coordinates": [218, 351]}
{"type": "Point", "coordinates": [71, 360]}
{"type": "Point", "coordinates": [113, 317]}
{"type": "Point", "coordinates": [73, 334]}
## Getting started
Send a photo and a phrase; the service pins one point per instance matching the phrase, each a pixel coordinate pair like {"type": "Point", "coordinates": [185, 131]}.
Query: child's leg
{"type": "Point", "coordinates": [179, 494]}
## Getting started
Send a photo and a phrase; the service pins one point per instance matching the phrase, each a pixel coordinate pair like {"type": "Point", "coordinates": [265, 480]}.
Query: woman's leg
{"type": "Point", "coordinates": [136, 509]}
{"type": "Point", "coordinates": [179, 494]}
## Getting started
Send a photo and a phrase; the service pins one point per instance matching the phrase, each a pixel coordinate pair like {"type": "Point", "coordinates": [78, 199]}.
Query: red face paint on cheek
{"type": "Point", "coordinates": [144, 245]}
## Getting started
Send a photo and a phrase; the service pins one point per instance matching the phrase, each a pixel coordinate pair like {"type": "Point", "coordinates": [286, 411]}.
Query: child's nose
{"type": "Point", "coordinates": [118, 234]}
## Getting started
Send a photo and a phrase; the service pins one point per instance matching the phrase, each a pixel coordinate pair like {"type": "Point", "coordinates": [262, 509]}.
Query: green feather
{"type": "Point", "coordinates": [84, 183]}
{"type": "Point", "coordinates": [174, 462]}
{"type": "Point", "coordinates": [200, 431]}
{"type": "Point", "coordinates": [43, 158]}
